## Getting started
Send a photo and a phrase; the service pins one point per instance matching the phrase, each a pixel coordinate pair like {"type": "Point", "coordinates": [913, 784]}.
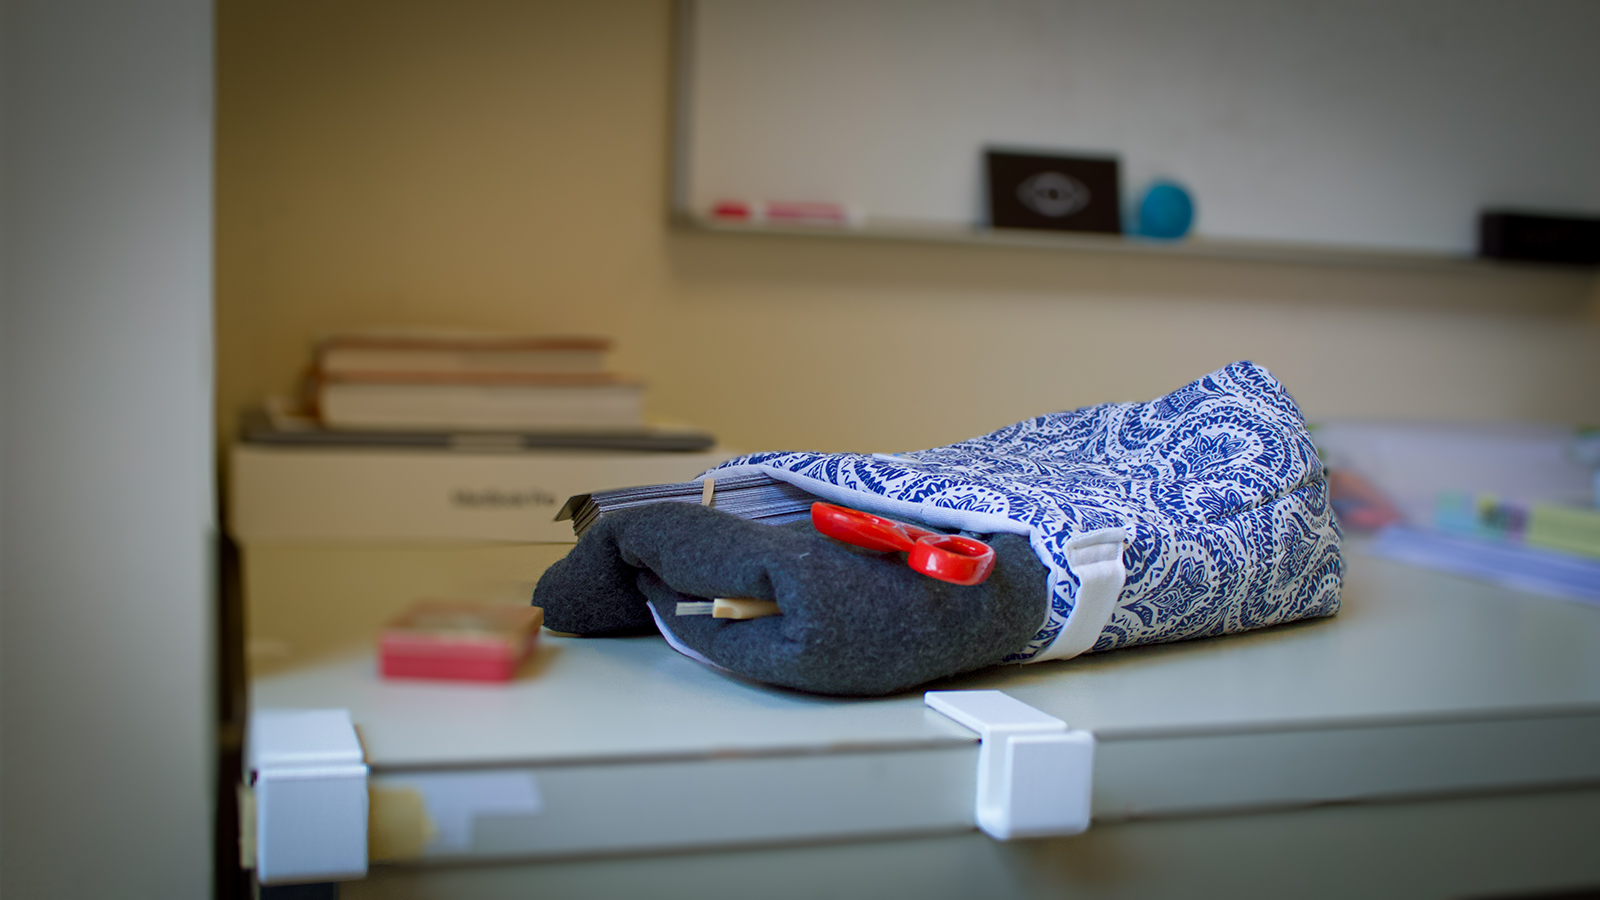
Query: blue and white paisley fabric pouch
{"type": "Point", "coordinates": [1200, 513]}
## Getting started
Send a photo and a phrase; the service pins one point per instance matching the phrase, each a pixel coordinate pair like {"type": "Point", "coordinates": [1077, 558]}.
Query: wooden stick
{"type": "Point", "coordinates": [743, 608]}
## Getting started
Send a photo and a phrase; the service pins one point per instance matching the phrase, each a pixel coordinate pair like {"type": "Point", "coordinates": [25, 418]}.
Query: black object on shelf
{"type": "Point", "coordinates": [1063, 193]}
{"type": "Point", "coordinates": [1539, 238]}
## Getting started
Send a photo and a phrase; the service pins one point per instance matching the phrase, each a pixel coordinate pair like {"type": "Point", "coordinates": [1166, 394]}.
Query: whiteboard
{"type": "Point", "coordinates": [1364, 124]}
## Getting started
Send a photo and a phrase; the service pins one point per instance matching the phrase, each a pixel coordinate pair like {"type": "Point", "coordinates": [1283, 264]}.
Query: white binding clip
{"type": "Point", "coordinates": [1034, 775]}
{"type": "Point", "coordinates": [309, 780]}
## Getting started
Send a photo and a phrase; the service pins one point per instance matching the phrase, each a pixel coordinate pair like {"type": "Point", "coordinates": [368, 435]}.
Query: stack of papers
{"type": "Point", "coordinates": [1512, 565]}
{"type": "Point", "coordinates": [754, 496]}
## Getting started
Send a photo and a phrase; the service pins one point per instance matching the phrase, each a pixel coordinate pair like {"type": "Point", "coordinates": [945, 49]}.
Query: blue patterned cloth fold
{"type": "Point", "coordinates": [1217, 485]}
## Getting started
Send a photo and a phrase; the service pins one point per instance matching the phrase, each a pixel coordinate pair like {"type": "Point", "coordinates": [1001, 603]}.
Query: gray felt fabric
{"type": "Point", "coordinates": [854, 622]}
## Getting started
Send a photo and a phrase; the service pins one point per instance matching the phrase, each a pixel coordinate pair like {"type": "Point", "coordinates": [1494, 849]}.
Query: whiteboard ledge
{"type": "Point", "coordinates": [1194, 248]}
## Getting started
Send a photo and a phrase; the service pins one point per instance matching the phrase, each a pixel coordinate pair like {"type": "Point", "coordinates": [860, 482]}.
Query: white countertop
{"type": "Point", "coordinates": [1409, 646]}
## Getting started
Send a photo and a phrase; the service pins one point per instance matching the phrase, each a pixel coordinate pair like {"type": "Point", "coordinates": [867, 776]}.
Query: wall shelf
{"type": "Point", "coordinates": [1192, 248]}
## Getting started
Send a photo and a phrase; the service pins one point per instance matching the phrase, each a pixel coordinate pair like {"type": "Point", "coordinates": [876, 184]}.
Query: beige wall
{"type": "Point", "coordinates": [503, 163]}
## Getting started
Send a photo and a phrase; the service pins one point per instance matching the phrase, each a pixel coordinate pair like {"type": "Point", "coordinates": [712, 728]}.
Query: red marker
{"type": "Point", "coordinates": [787, 212]}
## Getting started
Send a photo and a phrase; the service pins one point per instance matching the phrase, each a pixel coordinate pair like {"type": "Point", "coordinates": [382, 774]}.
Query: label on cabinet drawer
{"type": "Point", "coordinates": [291, 494]}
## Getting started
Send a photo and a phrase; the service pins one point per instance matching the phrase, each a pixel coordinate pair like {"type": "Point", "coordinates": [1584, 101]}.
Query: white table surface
{"type": "Point", "coordinates": [1408, 646]}
{"type": "Point", "coordinates": [1425, 685]}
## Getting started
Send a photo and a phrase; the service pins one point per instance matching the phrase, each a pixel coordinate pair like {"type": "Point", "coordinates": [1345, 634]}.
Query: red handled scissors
{"type": "Point", "coordinates": [947, 557]}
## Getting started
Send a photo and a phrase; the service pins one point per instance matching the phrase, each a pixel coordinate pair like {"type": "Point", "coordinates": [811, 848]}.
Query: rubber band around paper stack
{"type": "Point", "coordinates": [457, 641]}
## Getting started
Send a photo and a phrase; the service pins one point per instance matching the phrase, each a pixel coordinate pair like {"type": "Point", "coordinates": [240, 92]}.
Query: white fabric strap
{"type": "Point", "coordinates": [1096, 558]}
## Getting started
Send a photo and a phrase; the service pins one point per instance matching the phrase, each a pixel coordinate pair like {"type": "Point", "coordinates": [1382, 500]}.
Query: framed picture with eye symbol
{"type": "Point", "coordinates": [1062, 193]}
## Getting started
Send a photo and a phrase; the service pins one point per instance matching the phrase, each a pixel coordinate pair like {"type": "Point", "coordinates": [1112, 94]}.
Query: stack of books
{"type": "Point", "coordinates": [472, 382]}
{"type": "Point", "coordinates": [436, 388]}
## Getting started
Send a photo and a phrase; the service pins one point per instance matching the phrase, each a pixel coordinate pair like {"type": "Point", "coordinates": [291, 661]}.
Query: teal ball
{"type": "Point", "coordinates": [1166, 211]}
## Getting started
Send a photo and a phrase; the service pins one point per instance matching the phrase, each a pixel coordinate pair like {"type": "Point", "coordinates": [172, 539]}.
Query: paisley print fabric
{"type": "Point", "coordinates": [1217, 485]}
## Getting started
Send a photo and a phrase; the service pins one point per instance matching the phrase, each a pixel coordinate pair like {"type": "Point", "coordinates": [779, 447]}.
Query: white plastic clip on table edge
{"type": "Point", "coordinates": [1034, 775]}
{"type": "Point", "coordinates": [310, 781]}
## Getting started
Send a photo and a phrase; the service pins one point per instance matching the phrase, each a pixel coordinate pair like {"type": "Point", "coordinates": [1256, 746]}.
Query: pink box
{"type": "Point", "coordinates": [458, 641]}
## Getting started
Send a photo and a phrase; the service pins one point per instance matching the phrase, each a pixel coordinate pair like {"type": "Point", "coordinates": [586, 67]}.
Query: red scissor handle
{"type": "Point", "coordinates": [947, 557]}
{"type": "Point", "coordinates": [864, 529]}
